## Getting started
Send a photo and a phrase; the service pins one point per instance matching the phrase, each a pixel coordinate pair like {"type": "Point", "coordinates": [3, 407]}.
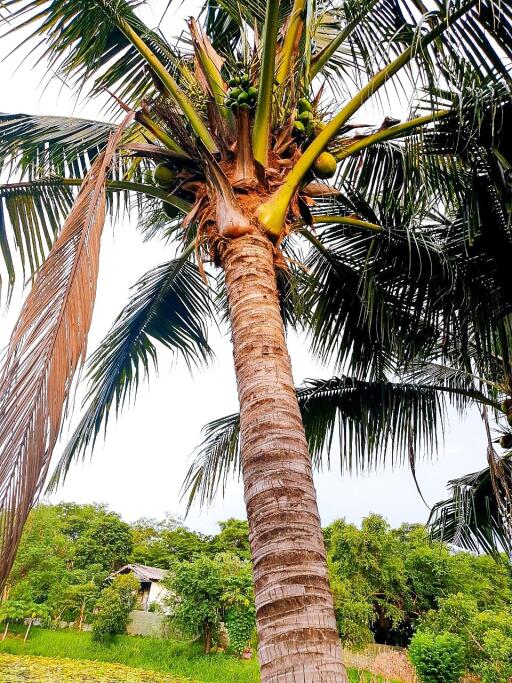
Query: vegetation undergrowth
{"type": "Point", "coordinates": [182, 659]}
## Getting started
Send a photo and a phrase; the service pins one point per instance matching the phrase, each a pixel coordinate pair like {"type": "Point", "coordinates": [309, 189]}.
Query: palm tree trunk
{"type": "Point", "coordinates": [298, 639]}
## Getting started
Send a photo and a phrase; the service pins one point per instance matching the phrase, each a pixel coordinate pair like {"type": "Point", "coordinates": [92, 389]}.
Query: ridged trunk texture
{"type": "Point", "coordinates": [298, 640]}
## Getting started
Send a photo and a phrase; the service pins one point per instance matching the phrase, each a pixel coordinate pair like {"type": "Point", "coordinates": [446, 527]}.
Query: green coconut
{"type": "Point", "coordinates": [164, 175]}
{"type": "Point", "coordinates": [252, 91]}
{"type": "Point", "coordinates": [170, 210]}
{"type": "Point", "coordinates": [243, 97]}
{"type": "Point", "coordinates": [148, 177]}
{"type": "Point", "coordinates": [298, 127]}
{"type": "Point", "coordinates": [324, 166]}
{"type": "Point", "coordinates": [305, 116]}
{"type": "Point", "coordinates": [304, 104]}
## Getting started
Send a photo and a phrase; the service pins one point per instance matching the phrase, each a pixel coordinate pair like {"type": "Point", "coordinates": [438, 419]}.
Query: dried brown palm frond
{"type": "Point", "coordinates": [46, 346]}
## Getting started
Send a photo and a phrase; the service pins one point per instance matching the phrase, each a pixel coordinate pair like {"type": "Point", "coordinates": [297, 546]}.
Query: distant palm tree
{"type": "Point", "coordinates": [242, 118]}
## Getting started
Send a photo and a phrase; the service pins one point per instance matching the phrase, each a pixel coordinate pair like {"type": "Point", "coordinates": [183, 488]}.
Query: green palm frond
{"type": "Point", "coordinates": [471, 517]}
{"type": "Point", "coordinates": [169, 305]}
{"type": "Point", "coordinates": [460, 384]}
{"type": "Point", "coordinates": [444, 200]}
{"type": "Point", "coordinates": [368, 423]}
{"type": "Point", "coordinates": [31, 215]}
{"type": "Point", "coordinates": [216, 460]}
{"type": "Point", "coordinates": [82, 41]}
{"type": "Point", "coordinates": [381, 299]}
{"type": "Point", "coordinates": [228, 21]}
{"type": "Point", "coordinates": [368, 297]}
{"type": "Point", "coordinates": [367, 34]}
{"type": "Point", "coordinates": [40, 146]}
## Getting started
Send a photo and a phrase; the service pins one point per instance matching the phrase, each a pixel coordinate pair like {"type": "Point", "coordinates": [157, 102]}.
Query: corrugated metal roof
{"type": "Point", "coordinates": [143, 572]}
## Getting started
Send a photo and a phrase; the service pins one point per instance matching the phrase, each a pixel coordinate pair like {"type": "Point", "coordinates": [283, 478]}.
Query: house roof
{"type": "Point", "coordinates": [142, 572]}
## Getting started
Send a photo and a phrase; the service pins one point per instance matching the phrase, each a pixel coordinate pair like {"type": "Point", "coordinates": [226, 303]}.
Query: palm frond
{"type": "Point", "coordinates": [367, 34]}
{"type": "Point", "coordinates": [170, 305]}
{"type": "Point", "coordinates": [217, 458]}
{"type": "Point", "coordinates": [374, 422]}
{"type": "Point", "coordinates": [226, 21]}
{"type": "Point", "coordinates": [82, 41]}
{"type": "Point", "coordinates": [30, 217]}
{"type": "Point", "coordinates": [461, 385]}
{"type": "Point", "coordinates": [368, 297]}
{"type": "Point", "coordinates": [471, 517]}
{"type": "Point", "coordinates": [46, 346]}
{"type": "Point", "coordinates": [41, 146]}
{"type": "Point", "coordinates": [31, 213]}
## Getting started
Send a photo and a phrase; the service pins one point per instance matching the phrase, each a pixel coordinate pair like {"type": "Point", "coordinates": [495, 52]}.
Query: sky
{"type": "Point", "coordinates": [139, 469]}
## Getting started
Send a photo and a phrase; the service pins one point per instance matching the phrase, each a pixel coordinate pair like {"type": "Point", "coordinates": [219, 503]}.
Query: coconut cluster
{"type": "Point", "coordinates": [306, 126]}
{"type": "Point", "coordinates": [241, 94]}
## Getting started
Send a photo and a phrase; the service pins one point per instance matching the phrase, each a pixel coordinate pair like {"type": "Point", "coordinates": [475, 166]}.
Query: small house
{"type": "Point", "coordinates": [151, 590]}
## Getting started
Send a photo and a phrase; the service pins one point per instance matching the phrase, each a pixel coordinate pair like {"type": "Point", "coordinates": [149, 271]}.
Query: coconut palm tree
{"type": "Point", "coordinates": [227, 139]}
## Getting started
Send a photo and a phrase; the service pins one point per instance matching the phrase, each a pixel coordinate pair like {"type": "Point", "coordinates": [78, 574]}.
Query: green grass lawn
{"type": "Point", "coordinates": [182, 660]}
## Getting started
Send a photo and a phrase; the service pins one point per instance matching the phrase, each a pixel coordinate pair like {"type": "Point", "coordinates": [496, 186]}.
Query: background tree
{"type": "Point", "coordinates": [239, 162]}
{"type": "Point", "coordinates": [113, 608]}
{"type": "Point", "coordinates": [106, 542]}
{"type": "Point", "coordinates": [207, 591]}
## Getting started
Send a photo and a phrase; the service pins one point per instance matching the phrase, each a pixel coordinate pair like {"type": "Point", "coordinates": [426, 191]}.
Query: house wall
{"type": "Point", "coordinates": [145, 624]}
{"type": "Point", "coordinates": [157, 593]}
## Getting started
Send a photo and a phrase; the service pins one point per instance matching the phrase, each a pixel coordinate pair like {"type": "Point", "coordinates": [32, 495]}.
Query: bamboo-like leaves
{"type": "Point", "coordinates": [170, 305]}
{"type": "Point", "coordinates": [46, 346]}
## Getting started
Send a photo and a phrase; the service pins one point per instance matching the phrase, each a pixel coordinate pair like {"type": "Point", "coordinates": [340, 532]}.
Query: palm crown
{"type": "Point", "coordinates": [234, 131]}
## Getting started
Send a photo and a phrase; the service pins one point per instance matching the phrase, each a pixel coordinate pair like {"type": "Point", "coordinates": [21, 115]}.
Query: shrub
{"type": "Point", "coordinates": [438, 658]}
{"type": "Point", "coordinates": [114, 607]}
{"type": "Point", "coordinates": [497, 665]}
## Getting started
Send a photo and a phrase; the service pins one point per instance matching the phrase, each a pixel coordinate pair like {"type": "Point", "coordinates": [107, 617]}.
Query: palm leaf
{"type": "Point", "coordinates": [373, 422]}
{"type": "Point", "coordinates": [30, 217]}
{"type": "Point", "coordinates": [41, 146]}
{"type": "Point", "coordinates": [170, 305]}
{"type": "Point", "coordinates": [471, 517]}
{"type": "Point", "coordinates": [82, 40]}
{"type": "Point", "coordinates": [46, 346]}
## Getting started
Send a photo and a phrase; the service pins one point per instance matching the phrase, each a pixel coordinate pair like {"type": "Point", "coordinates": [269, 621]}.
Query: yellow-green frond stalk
{"type": "Point", "coordinates": [160, 134]}
{"type": "Point", "coordinates": [171, 87]}
{"type": "Point", "coordinates": [292, 33]}
{"type": "Point", "coordinates": [263, 116]}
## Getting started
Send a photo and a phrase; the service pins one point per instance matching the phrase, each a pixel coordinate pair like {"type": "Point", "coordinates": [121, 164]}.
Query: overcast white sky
{"type": "Point", "coordinates": [139, 469]}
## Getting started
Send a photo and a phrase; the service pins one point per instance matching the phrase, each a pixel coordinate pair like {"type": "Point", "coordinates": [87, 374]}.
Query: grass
{"type": "Point", "coordinates": [182, 660]}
